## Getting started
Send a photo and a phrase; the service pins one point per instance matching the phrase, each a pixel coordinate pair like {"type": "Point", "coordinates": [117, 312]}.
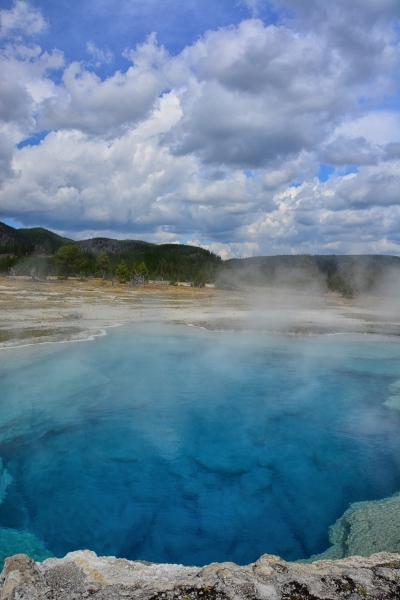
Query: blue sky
{"type": "Point", "coordinates": [117, 25]}
{"type": "Point", "coordinates": [248, 127]}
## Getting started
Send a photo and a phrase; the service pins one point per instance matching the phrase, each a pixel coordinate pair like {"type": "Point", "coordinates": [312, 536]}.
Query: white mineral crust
{"type": "Point", "coordinates": [83, 574]}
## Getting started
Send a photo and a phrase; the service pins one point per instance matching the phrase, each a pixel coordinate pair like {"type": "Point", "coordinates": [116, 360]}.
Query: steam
{"type": "Point", "coordinates": [317, 294]}
{"type": "Point", "coordinates": [385, 297]}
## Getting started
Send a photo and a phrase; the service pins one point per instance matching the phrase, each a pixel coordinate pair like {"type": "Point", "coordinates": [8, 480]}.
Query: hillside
{"type": "Point", "coordinates": [37, 238]}
{"type": "Point", "coordinates": [165, 261]}
{"type": "Point", "coordinates": [24, 249]}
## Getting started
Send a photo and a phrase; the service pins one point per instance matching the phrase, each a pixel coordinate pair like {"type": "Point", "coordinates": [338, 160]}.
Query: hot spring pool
{"type": "Point", "coordinates": [171, 444]}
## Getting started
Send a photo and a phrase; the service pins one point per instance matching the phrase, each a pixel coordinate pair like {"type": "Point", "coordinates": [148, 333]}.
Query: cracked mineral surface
{"type": "Point", "coordinates": [83, 574]}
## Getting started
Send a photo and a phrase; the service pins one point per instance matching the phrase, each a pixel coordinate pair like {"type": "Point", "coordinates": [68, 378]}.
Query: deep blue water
{"type": "Point", "coordinates": [172, 444]}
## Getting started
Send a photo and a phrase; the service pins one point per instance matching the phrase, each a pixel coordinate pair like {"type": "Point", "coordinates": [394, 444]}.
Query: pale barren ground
{"type": "Point", "coordinates": [55, 310]}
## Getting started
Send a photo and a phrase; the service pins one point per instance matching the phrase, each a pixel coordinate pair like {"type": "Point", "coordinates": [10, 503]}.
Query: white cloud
{"type": "Point", "coordinates": [21, 19]}
{"type": "Point", "coordinates": [111, 106]}
{"type": "Point", "coordinates": [355, 213]}
{"type": "Point", "coordinates": [377, 126]}
{"type": "Point", "coordinates": [24, 85]}
{"type": "Point", "coordinates": [271, 92]}
{"type": "Point", "coordinates": [211, 144]}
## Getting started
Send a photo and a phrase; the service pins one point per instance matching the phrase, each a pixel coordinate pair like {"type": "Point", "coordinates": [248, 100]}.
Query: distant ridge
{"type": "Point", "coordinates": [335, 262]}
{"type": "Point", "coordinates": [44, 240]}
{"type": "Point", "coordinates": [48, 241]}
{"type": "Point", "coordinates": [110, 245]}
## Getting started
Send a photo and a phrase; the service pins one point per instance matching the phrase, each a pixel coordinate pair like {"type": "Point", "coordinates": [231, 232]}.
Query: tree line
{"type": "Point", "coordinates": [165, 262]}
{"type": "Point", "coordinates": [133, 261]}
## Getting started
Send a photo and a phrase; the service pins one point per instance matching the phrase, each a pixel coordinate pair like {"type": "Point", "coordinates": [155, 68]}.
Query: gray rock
{"type": "Point", "coordinates": [83, 574]}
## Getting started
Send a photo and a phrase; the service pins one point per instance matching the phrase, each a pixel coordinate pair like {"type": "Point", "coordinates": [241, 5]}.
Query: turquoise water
{"type": "Point", "coordinates": [173, 444]}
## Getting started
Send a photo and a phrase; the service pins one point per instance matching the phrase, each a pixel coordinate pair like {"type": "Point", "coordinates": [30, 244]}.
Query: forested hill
{"type": "Point", "coordinates": [24, 249]}
{"type": "Point", "coordinates": [26, 240]}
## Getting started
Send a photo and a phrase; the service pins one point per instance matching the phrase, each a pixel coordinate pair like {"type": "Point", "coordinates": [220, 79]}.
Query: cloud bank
{"type": "Point", "coordinates": [256, 139]}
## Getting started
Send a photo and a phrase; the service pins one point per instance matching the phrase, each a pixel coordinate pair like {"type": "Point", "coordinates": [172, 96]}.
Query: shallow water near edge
{"type": "Point", "coordinates": [171, 444]}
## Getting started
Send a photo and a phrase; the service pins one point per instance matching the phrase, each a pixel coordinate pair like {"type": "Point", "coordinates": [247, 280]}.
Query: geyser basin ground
{"type": "Point", "coordinates": [173, 444]}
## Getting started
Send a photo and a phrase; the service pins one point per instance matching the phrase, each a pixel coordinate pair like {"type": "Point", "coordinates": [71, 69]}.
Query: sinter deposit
{"type": "Point", "coordinates": [84, 575]}
{"type": "Point", "coordinates": [365, 528]}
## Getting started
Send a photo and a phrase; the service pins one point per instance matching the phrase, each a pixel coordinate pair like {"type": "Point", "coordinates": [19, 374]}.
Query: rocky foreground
{"type": "Point", "coordinates": [85, 575]}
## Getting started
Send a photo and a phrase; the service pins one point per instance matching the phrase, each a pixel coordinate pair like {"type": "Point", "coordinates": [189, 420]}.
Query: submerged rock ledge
{"type": "Point", "coordinates": [83, 574]}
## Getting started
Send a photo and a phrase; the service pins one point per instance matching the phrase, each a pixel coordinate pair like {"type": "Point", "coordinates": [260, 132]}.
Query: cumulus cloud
{"type": "Point", "coordinates": [25, 83]}
{"type": "Point", "coordinates": [219, 144]}
{"type": "Point", "coordinates": [21, 19]}
{"type": "Point", "coordinates": [270, 91]}
{"type": "Point", "coordinates": [106, 107]}
{"type": "Point", "coordinates": [356, 213]}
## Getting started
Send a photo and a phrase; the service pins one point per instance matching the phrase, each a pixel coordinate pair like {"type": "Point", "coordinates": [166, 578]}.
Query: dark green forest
{"type": "Point", "coordinates": [27, 249]}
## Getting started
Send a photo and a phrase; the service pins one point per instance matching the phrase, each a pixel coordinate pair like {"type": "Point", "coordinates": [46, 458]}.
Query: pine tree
{"type": "Point", "coordinates": [139, 274]}
{"type": "Point", "coordinates": [122, 272]}
{"type": "Point", "coordinates": [200, 279]}
{"type": "Point", "coordinates": [71, 259]}
{"type": "Point", "coordinates": [143, 271]}
{"type": "Point", "coordinates": [103, 263]}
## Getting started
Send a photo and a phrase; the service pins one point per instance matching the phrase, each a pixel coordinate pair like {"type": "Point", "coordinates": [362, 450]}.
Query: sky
{"type": "Point", "coordinates": [248, 127]}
